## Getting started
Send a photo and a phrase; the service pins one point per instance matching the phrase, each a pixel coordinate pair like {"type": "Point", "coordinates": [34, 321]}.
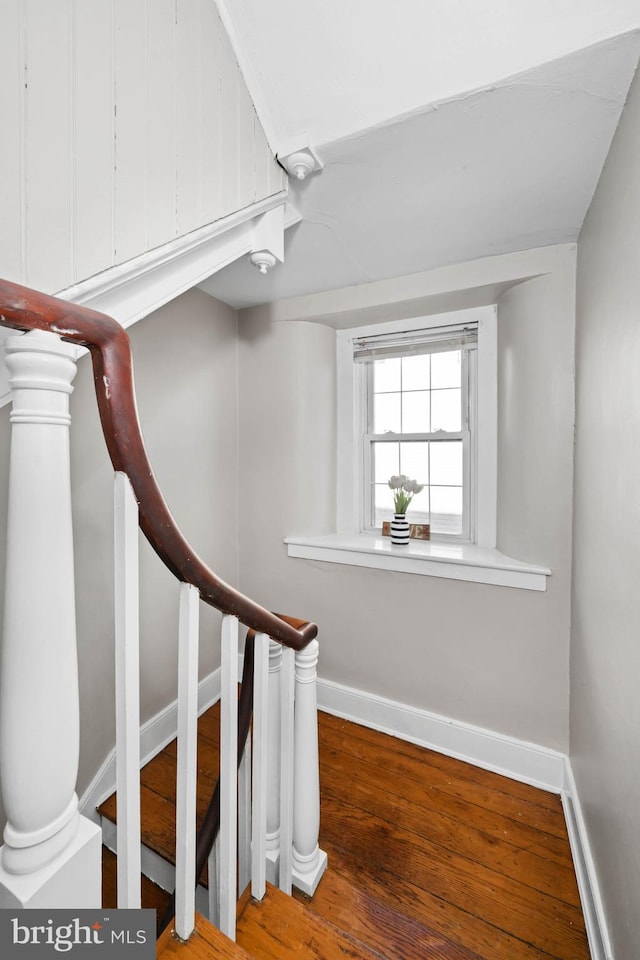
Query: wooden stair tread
{"type": "Point", "coordinates": [280, 928]}
{"type": "Point", "coordinates": [206, 942]}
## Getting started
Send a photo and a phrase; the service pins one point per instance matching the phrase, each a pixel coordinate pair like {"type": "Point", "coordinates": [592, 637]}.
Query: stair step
{"type": "Point", "coordinates": [206, 942]}
{"type": "Point", "coordinates": [279, 926]}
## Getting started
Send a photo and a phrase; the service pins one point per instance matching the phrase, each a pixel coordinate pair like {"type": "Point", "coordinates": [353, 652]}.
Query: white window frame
{"type": "Point", "coordinates": [363, 383]}
{"type": "Point", "coordinates": [350, 398]}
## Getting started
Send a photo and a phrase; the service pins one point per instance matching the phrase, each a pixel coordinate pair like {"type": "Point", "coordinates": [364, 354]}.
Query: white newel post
{"type": "Point", "coordinates": [273, 762]}
{"type": "Point", "coordinates": [309, 861]}
{"type": "Point", "coordinates": [51, 855]}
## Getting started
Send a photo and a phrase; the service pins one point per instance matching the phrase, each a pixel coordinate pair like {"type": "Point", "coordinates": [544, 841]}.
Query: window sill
{"type": "Point", "coordinates": [453, 561]}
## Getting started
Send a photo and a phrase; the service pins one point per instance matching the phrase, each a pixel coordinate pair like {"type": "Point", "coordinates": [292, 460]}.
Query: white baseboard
{"type": "Point", "coordinates": [518, 759]}
{"type": "Point", "coordinates": [590, 896]}
{"type": "Point", "coordinates": [155, 734]}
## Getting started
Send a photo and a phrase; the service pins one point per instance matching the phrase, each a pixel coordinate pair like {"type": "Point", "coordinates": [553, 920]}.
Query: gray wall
{"type": "Point", "coordinates": [492, 656]}
{"type": "Point", "coordinates": [605, 653]}
{"type": "Point", "coordinates": [185, 358]}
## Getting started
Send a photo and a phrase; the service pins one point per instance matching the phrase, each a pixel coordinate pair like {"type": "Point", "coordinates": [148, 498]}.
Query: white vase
{"type": "Point", "coordinates": [400, 530]}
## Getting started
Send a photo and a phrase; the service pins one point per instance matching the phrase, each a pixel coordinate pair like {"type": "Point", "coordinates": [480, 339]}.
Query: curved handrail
{"type": "Point", "coordinates": [24, 309]}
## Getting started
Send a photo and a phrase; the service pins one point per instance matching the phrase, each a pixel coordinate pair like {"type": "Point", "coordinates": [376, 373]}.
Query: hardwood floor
{"type": "Point", "coordinates": [462, 853]}
{"type": "Point", "coordinates": [429, 857]}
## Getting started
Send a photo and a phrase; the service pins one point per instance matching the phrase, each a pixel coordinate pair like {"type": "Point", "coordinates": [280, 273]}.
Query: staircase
{"type": "Point", "coordinates": [262, 815]}
{"type": "Point", "coordinates": [278, 926]}
{"type": "Point", "coordinates": [430, 858]}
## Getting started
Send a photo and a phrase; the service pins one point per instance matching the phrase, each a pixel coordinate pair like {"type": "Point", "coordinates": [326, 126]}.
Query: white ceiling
{"type": "Point", "coordinates": [436, 148]}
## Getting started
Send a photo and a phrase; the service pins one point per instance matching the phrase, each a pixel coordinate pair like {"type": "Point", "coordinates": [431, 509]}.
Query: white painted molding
{"type": "Point", "coordinates": [155, 734]}
{"type": "Point", "coordinates": [428, 558]}
{"type": "Point", "coordinates": [588, 885]}
{"type": "Point", "coordinates": [518, 759]}
{"type": "Point", "coordinates": [132, 290]}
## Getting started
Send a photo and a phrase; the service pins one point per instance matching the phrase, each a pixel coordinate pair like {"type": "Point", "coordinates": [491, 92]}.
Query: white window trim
{"type": "Point", "coordinates": [479, 562]}
{"type": "Point", "coordinates": [431, 558]}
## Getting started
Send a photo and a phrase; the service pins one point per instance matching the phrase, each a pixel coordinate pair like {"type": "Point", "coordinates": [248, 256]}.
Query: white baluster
{"type": "Point", "coordinates": [309, 862]}
{"type": "Point", "coordinates": [273, 762]}
{"type": "Point", "coordinates": [260, 766]}
{"type": "Point", "coordinates": [228, 775]}
{"type": "Point", "coordinates": [51, 855]}
{"type": "Point", "coordinates": [127, 680]}
{"type": "Point", "coordinates": [287, 694]}
{"type": "Point", "coordinates": [187, 767]}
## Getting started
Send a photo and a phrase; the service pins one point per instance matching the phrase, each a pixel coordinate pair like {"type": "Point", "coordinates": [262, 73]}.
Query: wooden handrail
{"type": "Point", "coordinates": [24, 309]}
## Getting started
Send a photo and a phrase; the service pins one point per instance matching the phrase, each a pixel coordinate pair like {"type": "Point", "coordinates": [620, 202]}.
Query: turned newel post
{"type": "Point", "coordinates": [39, 733]}
{"type": "Point", "coordinates": [309, 862]}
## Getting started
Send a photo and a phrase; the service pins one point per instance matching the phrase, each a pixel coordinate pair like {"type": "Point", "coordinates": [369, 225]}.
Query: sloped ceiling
{"type": "Point", "coordinates": [440, 138]}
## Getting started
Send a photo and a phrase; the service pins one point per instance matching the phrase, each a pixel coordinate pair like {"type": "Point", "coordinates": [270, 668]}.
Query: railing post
{"type": "Point", "coordinates": [51, 855]}
{"type": "Point", "coordinates": [228, 849]}
{"type": "Point", "coordinates": [273, 762]}
{"type": "Point", "coordinates": [309, 861]}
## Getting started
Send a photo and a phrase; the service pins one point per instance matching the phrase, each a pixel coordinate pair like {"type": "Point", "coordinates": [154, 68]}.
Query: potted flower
{"type": "Point", "coordinates": [404, 491]}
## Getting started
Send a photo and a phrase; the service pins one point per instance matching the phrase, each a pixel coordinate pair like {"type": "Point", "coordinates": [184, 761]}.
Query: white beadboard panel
{"type": "Point", "coordinates": [229, 79]}
{"type": "Point", "coordinates": [48, 143]}
{"type": "Point", "coordinates": [189, 44]}
{"type": "Point", "coordinates": [130, 125]}
{"type": "Point", "coordinates": [12, 80]}
{"type": "Point", "coordinates": [93, 136]}
{"type": "Point", "coordinates": [210, 114]}
{"type": "Point", "coordinates": [263, 160]}
{"type": "Point", "coordinates": [161, 122]}
{"type": "Point", "coordinates": [245, 147]}
{"type": "Point", "coordinates": [130, 140]}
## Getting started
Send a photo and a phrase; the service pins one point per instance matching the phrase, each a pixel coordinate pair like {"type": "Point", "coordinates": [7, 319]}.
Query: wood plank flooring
{"type": "Point", "coordinates": [429, 858]}
{"type": "Point", "coordinates": [470, 856]}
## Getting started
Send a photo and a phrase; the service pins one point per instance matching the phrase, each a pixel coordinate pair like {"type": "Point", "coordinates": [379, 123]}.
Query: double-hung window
{"type": "Point", "coordinates": [418, 398]}
{"type": "Point", "coordinates": [418, 413]}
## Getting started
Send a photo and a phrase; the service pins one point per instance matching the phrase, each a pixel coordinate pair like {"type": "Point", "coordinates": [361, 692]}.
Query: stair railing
{"type": "Point", "coordinates": [51, 855]}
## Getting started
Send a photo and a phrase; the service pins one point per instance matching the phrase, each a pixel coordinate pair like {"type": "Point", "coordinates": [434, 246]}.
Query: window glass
{"type": "Point", "coordinates": [419, 397]}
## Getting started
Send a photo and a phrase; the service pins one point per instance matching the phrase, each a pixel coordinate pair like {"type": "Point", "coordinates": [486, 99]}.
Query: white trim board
{"type": "Point", "coordinates": [155, 734]}
{"type": "Point", "coordinates": [586, 875]}
{"type": "Point", "coordinates": [132, 290]}
{"type": "Point", "coordinates": [517, 759]}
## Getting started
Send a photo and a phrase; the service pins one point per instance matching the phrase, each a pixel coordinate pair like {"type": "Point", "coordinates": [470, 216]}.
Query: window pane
{"type": "Point", "coordinates": [386, 412]}
{"type": "Point", "coordinates": [446, 510]}
{"type": "Point", "coordinates": [446, 463]}
{"type": "Point", "coordinates": [445, 410]}
{"type": "Point", "coordinates": [386, 460]}
{"type": "Point", "coordinates": [446, 500]}
{"type": "Point", "coordinates": [383, 504]}
{"type": "Point", "coordinates": [386, 375]}
{"type": "Point", "coordinates": [414, 461]}
{"type": "Point", "coordinates": [446, 369]}
{"type": "Point", "coordinates": [418, 512]}
{"type": "Point", "coordinates": [415, 373]}
{"type": "Point", "coordinates": [415, 412]}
